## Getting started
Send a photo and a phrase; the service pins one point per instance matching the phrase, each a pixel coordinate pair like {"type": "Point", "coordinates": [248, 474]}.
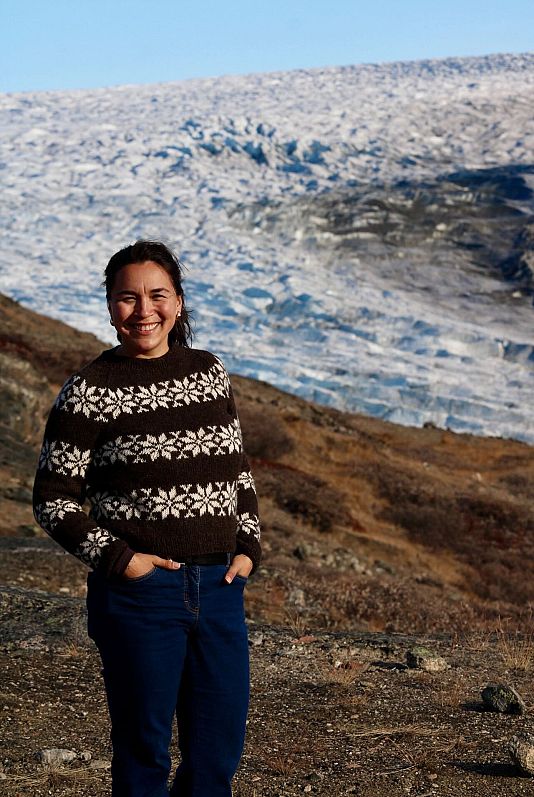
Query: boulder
{"type": "Point", "coordinates": [421, 658]}
{"type": "Point", "coordinates": [503, 698]}
{"type": "Point", "coordinates": [521, 749]}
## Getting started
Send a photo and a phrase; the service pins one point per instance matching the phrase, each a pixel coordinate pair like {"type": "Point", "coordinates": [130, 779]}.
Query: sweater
{"type": "Point", "coordinates": [155, 447]}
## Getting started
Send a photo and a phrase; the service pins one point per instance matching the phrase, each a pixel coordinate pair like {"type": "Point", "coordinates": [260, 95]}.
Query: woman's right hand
{"type": "Point", "coordinates": [142, 563]}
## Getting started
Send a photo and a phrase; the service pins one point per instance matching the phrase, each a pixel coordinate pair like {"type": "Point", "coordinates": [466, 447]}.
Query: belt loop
{"type": "Point", "coordinates": [228, 559]}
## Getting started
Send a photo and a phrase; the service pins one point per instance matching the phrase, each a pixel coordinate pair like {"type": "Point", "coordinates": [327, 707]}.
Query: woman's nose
{"type": "Point", "coordinates": [143, 305]}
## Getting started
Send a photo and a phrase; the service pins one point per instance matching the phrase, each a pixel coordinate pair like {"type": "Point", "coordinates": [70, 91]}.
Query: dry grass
{"type": "Point", "coordinates": [423, 759]}
{"type": "Point", "coordinates": [296, 623]}
{"type": "Point", "coordinates": [289, 763]}
{"type": "Point", "coordinates": [344, 673]}
{"type": "Point", "coordinates": [73, 650]}
{"type": "Point", "coordinates": [516, 648]}
{"type": "Point", "coordinates": [476, 641]}
{"type": "Point", "coordinates": [345, 670]}
{"type": "Point", "coordinates": [55, 776]}
{"type": "Point", "coordinates": [414, 729]}
{"type": "Point", "coordinates": [280, 765]}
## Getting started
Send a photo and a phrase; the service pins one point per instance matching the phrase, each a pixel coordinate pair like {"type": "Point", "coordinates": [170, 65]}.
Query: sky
{"type": "Point", "coordinates": [61, 44]}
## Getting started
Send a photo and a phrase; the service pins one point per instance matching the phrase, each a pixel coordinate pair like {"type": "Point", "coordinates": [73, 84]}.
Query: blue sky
{"type": "Point", "coordinates": [62, 44]}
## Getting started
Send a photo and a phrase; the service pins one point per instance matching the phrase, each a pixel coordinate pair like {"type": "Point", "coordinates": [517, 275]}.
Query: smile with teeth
{"type": "Point", "coordinates": [145, 327]}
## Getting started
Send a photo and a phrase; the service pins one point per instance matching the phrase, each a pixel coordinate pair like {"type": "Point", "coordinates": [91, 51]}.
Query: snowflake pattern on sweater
{"type": "Point", "coordinates": [176, 444]}
{"type": "Point", "coordinates": [105, 404]}
{"type": "Point", "coordinates": [96, 541]}
{"type": "Point", "coordinates": [156, 448]}
{"type": "Point", "coordinates": [183, 500]}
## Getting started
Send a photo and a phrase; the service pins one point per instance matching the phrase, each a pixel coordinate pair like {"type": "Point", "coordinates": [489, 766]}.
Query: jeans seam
{"type": "Point", "coordinates": [194, 612]}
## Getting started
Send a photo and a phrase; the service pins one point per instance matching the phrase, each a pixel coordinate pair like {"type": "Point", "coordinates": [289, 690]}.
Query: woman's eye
{"type": "Point", "coordinates": [157, 297]}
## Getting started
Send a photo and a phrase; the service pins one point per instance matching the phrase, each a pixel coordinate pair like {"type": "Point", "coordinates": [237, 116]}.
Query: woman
{"type": "Point", "coordinates": [148, 433]}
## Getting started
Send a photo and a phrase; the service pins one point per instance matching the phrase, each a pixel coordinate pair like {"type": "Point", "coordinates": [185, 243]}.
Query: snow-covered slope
{"type": "Point", "coordinates": [362, 236]}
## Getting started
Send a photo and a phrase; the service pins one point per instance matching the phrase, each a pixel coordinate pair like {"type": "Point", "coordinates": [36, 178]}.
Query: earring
{"type": "Point", "coordinates": [111, 322]}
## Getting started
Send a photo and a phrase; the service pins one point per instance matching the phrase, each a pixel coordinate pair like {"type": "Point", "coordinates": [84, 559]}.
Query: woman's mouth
{"type": "Point", "coordinates": [145, 329]}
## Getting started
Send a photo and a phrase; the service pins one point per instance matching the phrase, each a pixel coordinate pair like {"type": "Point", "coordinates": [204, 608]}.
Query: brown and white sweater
{"type": "Point", "coordinates": [155, 446]}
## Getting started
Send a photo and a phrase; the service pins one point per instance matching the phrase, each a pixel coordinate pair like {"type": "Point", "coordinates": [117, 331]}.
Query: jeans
{"type": "Point", "coordinates": [173, 642]}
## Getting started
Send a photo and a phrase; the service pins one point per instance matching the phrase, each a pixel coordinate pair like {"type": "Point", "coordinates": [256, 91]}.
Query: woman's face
{"type": "Point", "coordinates": [143, 307]}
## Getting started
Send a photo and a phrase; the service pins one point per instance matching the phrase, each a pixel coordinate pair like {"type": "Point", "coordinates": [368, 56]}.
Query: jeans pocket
{"type": "Point", "coordinates": [137, 579]}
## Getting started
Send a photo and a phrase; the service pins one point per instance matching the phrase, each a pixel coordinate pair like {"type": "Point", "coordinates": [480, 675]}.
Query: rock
{"type": "Point", "coordinates": [355, 564]}
{"type": "Point", "coordinates": [41, 621]}
{"type": "Point", "coordinates": [521, 749]}
{"type": "Point", "coordinates": [297, 598]}
{"type": "Point", "coordinates": [17, 492]}
{"type": "Point", "coordinates": [100, 763]}
{"type": "Point", "coordinates": [503, 698]}
{"type": "Point", "coordinates": [24, 396]}
{"type": "Point", "coordinates": [383, 567]}
{"type": "Point", "coordinates": [55, 756]}
{"type": "Point", "coordinates": [28, 529]}
{"type": "Point", "coordinates": [423, 659]}
{"type": "Point", "coordinates": [302, 551]}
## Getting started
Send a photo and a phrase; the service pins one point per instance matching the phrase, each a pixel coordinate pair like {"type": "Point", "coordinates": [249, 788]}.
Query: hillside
{"type": "Point", "coordinates": [424, 528]}
{"type": "Point", "coordinates": [376, 537]}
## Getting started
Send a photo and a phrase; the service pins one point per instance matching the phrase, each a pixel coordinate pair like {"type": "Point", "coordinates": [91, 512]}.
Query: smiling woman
{"type": "Point", "coordinates": [143, 300]}
{"type": "Point", "coordinates": [148, 432]}
{"type": "Point", "coordinates": [142, 311]}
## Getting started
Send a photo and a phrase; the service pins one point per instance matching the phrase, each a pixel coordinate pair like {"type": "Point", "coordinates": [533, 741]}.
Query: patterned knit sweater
{"type": "Point", "coordinates": [154, 445]}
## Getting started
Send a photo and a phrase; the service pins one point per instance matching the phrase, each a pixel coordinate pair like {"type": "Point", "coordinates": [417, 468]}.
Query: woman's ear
{"type": "Point", "coordinates": [110, 313]}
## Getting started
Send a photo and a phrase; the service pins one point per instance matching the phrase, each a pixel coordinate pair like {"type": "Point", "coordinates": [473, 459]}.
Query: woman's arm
{"type": "Point", "coordinates": [248, 522]}
{"type": "Point", "coordinates": [59, 488]}
{"type": "Point", "coordinates": [247, 514]}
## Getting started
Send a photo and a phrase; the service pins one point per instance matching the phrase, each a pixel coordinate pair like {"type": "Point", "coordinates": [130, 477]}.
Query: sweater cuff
{"type": "Point", "coordinates": [252, 550]}
{"type": "Point", "coordinates": [115, 559]}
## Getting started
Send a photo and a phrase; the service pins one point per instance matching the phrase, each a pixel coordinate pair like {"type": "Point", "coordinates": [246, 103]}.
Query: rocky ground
{"type": "Point", "coordinates": [376, 538]}
{"type": "Point", "coordinates": [331, 713]}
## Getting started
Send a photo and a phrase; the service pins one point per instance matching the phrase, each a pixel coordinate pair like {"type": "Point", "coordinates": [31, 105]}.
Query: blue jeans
{"type": "Point", "coordinates": [173, 642]}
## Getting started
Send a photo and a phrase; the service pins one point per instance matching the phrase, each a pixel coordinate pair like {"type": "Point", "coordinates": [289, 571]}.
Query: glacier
{"type": "Point", "coordinates": [362, 236]}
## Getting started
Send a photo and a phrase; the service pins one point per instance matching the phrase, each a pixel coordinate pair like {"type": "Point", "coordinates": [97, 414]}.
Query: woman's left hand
{"type": "Point", "coordinates": [241, 566]}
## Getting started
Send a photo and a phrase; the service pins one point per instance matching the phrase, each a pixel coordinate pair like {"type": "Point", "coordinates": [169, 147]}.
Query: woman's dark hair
{"type": "Point", "coordinates": [157, 252]}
